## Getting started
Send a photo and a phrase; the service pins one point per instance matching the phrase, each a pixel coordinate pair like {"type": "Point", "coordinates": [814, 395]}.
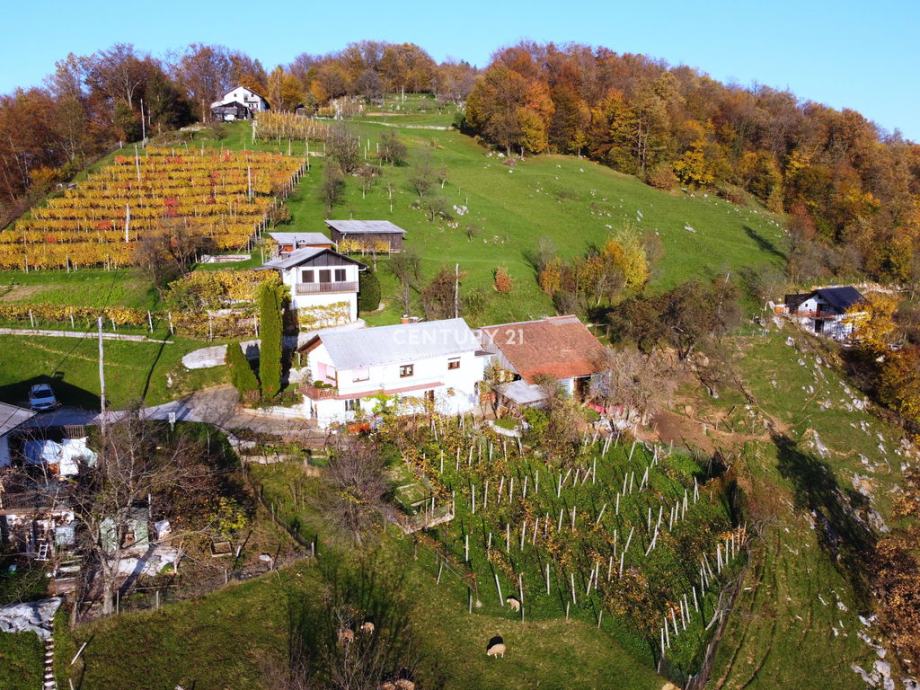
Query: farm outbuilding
{"type": "Point", "coordinates": [288, 242]}
{"type": "Point", "coordinates": [11, 418]}
{"type": "Point", "coordinates": [228, 112]}
{"type": "Point", "coordinates": [366, 236]}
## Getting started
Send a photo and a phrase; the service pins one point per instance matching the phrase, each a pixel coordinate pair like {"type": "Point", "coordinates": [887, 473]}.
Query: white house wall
{"type": "Point", "coordinates": [291, 278]}
{"type": "Point", "coordinates": [455, 390]}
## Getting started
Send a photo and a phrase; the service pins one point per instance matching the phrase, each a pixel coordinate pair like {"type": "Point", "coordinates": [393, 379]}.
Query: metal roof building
{"type": "Point", "coordinates": [369, 347]}
{"type": "Point", "coordinates": [366, 235]}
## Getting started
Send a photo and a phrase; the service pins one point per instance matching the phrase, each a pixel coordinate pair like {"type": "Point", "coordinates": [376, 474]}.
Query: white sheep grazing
{"type": "Point", "coordinates": [513, 603]}
{"type": "Point", "coordinates": [367, 628]}
{"type": "Point", "coordinates": [497, 650]}
{"type": "Point", "coordinates": [346, 636]}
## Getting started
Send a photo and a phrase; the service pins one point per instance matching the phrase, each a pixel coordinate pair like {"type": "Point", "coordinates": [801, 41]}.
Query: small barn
{"type": "Point", "coordinates": [366, 236]}
{"type": "Point", "coordinates": [229, 112]}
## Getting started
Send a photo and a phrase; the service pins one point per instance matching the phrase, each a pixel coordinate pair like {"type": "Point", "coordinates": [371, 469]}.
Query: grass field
{"type": "Point", "coordinates": [796, 621]}
{"type": "Point", "coordinates": [572, 202]}
{"type": "Point", "coordinates": [134, 371]}
{"type": "Point", "coordinates": [87, 287]}
{"type": "Point", "coordinates": [20, 661]}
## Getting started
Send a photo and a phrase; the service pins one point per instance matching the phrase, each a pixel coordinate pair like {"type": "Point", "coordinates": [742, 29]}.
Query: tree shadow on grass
{"type": "Point", "coordinates": [763, 243]}
{"type": "Point", "coordinates": [840, 531]}
{"type": "Point", "coordinates": [66, 393]}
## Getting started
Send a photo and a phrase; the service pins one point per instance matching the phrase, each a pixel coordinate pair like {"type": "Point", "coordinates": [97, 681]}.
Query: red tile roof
{"type": "Point", "coordinates": [558, 346]}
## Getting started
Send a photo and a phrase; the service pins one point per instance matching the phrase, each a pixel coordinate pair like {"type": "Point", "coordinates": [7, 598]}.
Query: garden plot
{"type": "Point", "coordinates": [626, 537]}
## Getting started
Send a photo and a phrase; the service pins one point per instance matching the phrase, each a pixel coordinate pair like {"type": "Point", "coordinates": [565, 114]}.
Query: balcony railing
{"type": "Point", "coordinates": [315, 288]}
{"type": "Point", "coordinates": [319, 393]}
{"type": "Point", "coordinates": [819, 314]}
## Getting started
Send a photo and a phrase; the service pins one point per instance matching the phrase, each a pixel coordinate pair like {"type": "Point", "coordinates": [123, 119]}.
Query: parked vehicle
{"type": "Point", "coordinates": [41, 397]}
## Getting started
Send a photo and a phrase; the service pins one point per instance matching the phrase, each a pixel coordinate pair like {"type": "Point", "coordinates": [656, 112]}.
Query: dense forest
{"type": "Point", "coordinates": [852, 192]}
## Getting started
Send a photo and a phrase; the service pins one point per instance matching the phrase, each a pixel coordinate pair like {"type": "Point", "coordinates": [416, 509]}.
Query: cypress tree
{"type": "Point", "coordinates": [368, 292]}
{"type": "Point", "coordinates": [241, 374]}
{"type": "Point", "coordinates": [270, 340]}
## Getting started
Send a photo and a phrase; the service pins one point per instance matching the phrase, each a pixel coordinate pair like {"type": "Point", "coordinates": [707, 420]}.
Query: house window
{"type": "Point", "coordinates": [325, 275]}
{"type": "Point", "coordinates": [306, 276]}
{"type": "Point", "coordinates": [340, 275]}
{"type": "Point", "coordinates": [406, 370]}
{"type": "Point", "coordinates": [352, 405]}
{"type": "Point", "coordinates": [453, 363]}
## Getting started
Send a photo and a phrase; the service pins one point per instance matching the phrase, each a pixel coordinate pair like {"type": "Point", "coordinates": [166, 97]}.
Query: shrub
{"type": "Point", "coordinates": [270, 341]}
{"type": "Point", "coordinates": [241, 374]}
{"type": "Point", "coordinates": [503, 282]}
{"type": "Point", "coordinates": [662, 177]}
{"type": "Point", "coordinates": [368, 292]}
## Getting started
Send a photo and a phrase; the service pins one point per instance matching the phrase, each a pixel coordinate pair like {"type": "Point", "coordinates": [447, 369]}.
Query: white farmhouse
{"type": "Point", "coordinates": [830, 311]}
{"type": "Point", "coordinates": [434, 363]}
{"type": "Point", "coordinates": [323, 284]}
{"type": "Point", "coordinates": [237, 104]}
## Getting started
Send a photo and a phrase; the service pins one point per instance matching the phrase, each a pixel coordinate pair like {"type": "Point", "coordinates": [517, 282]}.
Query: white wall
{"type": "Point", "coordinates": [811, 304]}
{"type": "Point", "coordinates": [292, 277]}
{"type": "Point", "coordinates": [455, 390]}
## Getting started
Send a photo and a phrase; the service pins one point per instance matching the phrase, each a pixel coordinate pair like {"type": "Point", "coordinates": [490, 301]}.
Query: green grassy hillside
{"type": "Point", "coordinates": [570, 201]}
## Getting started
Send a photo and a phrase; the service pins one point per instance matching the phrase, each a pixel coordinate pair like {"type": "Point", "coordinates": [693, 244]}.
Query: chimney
{"type": "Point", "coordinates": [404, 319]}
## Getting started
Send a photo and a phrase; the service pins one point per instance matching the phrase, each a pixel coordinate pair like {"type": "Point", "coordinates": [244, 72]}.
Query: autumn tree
{"type": "Point", "coordinates": [406, 266]}
{"type": "Point", "coordinates": [422, 176]}
{"type": "Point", "coordinates": [343, 147]}
{"type": "Point", "coordinates": [135, 464]}
{"type": "Point", "coordinates": [439, 296]}
{"type": "Point", "coordinates": [356, 485]}
{"type": "Point", "coordinates": [392, 150]}
{"type": "Point", "coordinates": [206, 73]}
{"type": "Point", "coordinates": [639, 384]}
{"type": "Point", "coordinates": [333, 186]}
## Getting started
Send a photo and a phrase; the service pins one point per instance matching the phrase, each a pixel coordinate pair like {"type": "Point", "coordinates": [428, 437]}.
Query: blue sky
{"type": "Point", "coordinates": [863, 55]}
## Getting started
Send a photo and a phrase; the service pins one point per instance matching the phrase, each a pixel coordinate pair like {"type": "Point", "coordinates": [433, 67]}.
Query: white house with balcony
{"type": "Point", "coordinates": [830, 311]}
{"type": "Point", "coordinates": [412, 367]}
{"type": "Point", "coordinates": [323, 284]}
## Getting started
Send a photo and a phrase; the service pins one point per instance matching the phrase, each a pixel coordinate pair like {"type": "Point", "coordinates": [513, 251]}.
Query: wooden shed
{"type": "Point", "coordinates": [366, 236]}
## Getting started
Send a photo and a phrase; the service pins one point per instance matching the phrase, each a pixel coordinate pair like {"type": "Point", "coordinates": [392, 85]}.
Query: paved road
{"type": "Point", "coordinates": [52, 333]}
{"type": "Point", "coordinates": [216, 406]}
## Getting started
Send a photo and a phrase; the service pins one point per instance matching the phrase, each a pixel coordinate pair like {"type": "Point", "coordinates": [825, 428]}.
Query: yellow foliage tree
{"type": "Point", "coordinates": [900, 383]}
{"type": "Point", "coordinates": [873, 322]}
{"type": "Point", "coordinates": [628, 254]}
{"type": "Point", "coordinates": [692, 168]}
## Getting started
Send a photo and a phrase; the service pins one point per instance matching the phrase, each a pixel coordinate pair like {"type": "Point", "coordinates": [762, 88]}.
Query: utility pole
{"type": "Point", "coordinates": [143, 124]}
{"type": "Point", "coordinates": [101, 378]}
{"type": "Point", "coordinates": [456, 290]}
